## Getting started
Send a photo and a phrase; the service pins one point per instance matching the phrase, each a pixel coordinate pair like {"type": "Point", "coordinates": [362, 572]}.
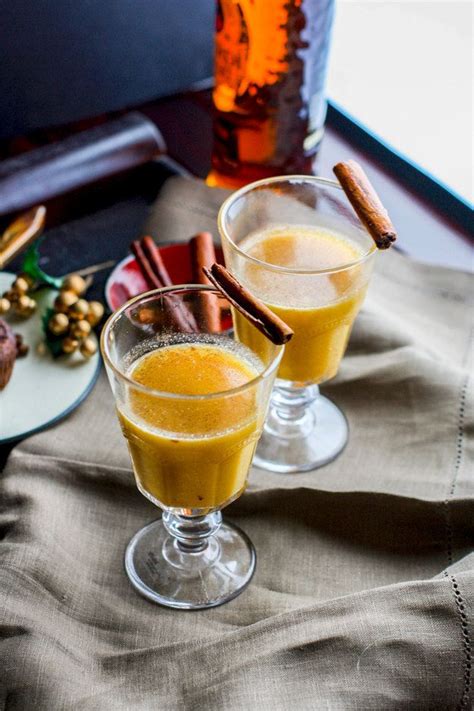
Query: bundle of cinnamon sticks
{"type": "Point", "coordinates": [156, 276]}
{"type": "Point", "coordinates": [151, 265]}
{"type": "Point", "coordinates": [206, 271]}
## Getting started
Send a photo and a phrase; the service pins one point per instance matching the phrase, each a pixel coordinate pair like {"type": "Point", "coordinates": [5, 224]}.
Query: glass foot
{"type": "Point", "coordinates": [164, 571]}
{"type": "Point", "coordinates": [306, 441]}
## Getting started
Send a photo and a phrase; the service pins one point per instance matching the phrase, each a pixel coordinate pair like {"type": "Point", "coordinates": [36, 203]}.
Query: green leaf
{"type": "Point", "coordinates": [55, 347]}
{"type": "Point", "coordinates": [32, 268]}
{"type": "Point", "coordinates": [45, 319]}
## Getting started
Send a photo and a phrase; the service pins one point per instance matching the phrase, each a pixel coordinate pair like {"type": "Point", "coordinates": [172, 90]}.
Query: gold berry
{"type": "Point", "coordinates": [79, 310]}
{"type": "Point", "coordinates": [88, 347]}
{"type": "Point", "coordinates": [4, 305]}
{"type": "Point", "coordinates": [21, 285]}
{"type": "Point", "coordinates": [64, 301]}
{"type": "Point", "coordinates": [74, 283]}
{"type": "Point", "coordinates": [96, 311]}
{"type": "Point", "coordinates": [23, 301]}
{"type": "Point", "coordinates": [58, 324]}
{"type": "Point", "coordinates": [69, 345]}
{"type": "Point", "coordinates": [28, 278]}
{"type": "Point", "coordinates": [25, 306]}
{"type": "Point", "coordinates": [80, 329]}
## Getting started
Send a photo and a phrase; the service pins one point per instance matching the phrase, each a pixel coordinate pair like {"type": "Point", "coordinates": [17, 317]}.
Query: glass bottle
{"type": "Point", "coordinates": [270, 68]}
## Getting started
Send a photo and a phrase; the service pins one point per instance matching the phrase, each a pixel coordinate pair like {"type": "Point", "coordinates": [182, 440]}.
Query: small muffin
{"type": "Point", "coordinates": [7, 353]}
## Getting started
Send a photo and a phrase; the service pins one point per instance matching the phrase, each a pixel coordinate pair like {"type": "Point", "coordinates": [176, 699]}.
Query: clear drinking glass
{"type": "Point", "coordinates": [304, 430]}
{"type": "Point", "coordinates": [190, 453]}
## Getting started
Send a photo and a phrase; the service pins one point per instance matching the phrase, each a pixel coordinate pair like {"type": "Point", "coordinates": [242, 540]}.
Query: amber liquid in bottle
{"type": "Point", "coordinates": [270, 67]}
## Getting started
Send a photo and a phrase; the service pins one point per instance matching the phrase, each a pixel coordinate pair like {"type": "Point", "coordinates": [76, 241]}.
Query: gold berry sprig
{"type": "Point", "coordinates": [17, 300]}
{"type": "Point", "coordinates": [69, 324]}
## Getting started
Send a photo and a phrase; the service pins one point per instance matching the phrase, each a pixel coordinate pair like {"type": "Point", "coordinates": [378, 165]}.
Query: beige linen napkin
{"type": "Point", "coordinates": [363, 593]}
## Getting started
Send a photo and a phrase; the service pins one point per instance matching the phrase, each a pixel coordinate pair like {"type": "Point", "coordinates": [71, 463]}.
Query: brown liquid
{"type": "Point", "coordinates": [269, 73]}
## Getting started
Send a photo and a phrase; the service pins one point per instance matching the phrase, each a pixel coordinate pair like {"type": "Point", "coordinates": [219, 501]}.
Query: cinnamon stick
{"type": "Point", "coordinates": [156, 261]}
{"type": "Point", "coordinates": [181, 317]}
{"type": "Point", "coordinates": [203, 254]}
{"type": "Point", "coordinates": [144, 265]}
{"type": "Point", "coordinates": [366, 203]}
{"type": "Point", "coordinates": [248, 305]}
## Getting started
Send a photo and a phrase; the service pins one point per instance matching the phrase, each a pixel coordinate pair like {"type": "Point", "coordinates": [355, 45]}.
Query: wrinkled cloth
{"type": "Point", "coordinates": [363, 593]}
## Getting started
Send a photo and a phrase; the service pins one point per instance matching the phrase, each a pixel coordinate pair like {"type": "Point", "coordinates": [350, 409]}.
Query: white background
{"type": "Point", "coordinates": [404, 69]}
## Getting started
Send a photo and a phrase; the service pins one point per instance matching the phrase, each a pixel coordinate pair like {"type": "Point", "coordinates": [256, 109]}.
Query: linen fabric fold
{"type": "Point", "coordinates": [363, 593]}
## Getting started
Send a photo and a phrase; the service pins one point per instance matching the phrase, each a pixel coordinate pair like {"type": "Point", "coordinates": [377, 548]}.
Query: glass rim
{"type": "Point", "coordinates": [327, 182]}
{"type": "Point", "coordinates": [163, 393]}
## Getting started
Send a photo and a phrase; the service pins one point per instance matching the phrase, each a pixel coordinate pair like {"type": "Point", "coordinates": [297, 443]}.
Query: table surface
{"type": "Point", "coordinates": [361, 591]}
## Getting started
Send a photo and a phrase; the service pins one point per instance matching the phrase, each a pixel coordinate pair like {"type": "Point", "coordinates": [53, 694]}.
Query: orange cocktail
{"type": "Point", "coordinates": [191, 401]}
{"type": "Point", "coordinates": [320, 312]}
{"type": "Point", "coordinates": [172, 464]}
{"type": "Point", "coordinates": [297, 244]}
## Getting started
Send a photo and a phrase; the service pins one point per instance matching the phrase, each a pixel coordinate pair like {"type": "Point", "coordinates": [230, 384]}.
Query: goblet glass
{"type": "Point", "coordinates": [304, 429]}
{"type": "Point", "coordinates": [191, 445]}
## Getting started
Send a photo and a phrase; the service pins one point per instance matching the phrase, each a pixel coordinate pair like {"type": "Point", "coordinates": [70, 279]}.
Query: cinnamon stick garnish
{"type": "Point", "coordinates": [249, 306]}
{"type": "Point", "coordinates": [366, 203]}
{"type": "Point", "coordinates": [203, 254]}
{"type": "Point", "coordinates": [156, 276]}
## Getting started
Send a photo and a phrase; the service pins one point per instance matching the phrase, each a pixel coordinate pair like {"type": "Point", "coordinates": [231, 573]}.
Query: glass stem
{"type": "Point", "coordinates": [192, 533]}
{"type": "Point", "coordinates": [291, 413]}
